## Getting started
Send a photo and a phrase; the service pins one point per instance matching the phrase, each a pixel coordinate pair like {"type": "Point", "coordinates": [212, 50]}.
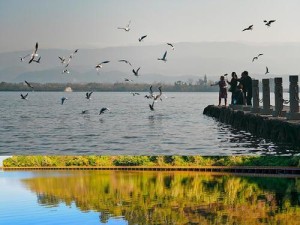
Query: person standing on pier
{"type": "Point", "coordinates": [246, 81]}
{"type": "Point", "coordinates": [222, 90]}
{"type": "Point", "coordinates": [233, 85]}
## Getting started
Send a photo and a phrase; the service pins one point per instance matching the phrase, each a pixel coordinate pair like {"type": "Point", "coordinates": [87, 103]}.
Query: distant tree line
{"type": "Point", "coordinates": [178, 86]}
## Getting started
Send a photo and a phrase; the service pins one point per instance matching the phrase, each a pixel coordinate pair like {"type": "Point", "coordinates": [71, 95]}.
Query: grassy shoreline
{"type": "Point", "coordinates": [158, 161]}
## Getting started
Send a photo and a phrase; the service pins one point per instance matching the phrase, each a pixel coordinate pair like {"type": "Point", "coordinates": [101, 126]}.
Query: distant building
{"type": "Point", "coordinates": [68, 89]}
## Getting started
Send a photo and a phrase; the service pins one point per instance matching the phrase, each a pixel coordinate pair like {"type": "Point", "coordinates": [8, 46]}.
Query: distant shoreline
{"type": "Point", "coordinates": [108, 87]}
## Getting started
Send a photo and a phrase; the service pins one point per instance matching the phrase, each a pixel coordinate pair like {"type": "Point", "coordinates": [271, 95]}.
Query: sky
{"type": "Point", "coordinates": [70, 24]}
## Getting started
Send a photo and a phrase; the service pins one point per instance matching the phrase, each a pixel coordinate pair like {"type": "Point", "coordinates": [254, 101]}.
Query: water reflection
{"type": "Point", "coordinates": [173, 197]}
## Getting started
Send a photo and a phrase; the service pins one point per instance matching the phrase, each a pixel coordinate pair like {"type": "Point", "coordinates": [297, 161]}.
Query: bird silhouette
{"type": "Point", "coordinates": [172, 46]}
{"type": "Point", "coordinates": [28, 84]}
{"type": "Point", "coordinates": [268, 23]}
{"type": "Point", "coordinates": [151, 106]}
{"type": "Point", "coordinates": [126, 28]}
{"type": "Point", "coordinates": [24, 96]}
{"type": "Point", "coordinates": [34, 53]}
{"type": "Point", "coordinates": [125, 61]}
{"type": "Point", "coordinates": [267, 70]}
{"type": "Point", "coordinates": [100, 65]}
{"type": "Point", "coordinates": [63, 99]}
{"type": "Point", "coordinates": [136, 72]}
{"type": "Point", "coordinates": [141, 38]}
{"type": "Point", "coordinates": [104, 109]}
{"type": "Point", "coordinates": [88, 95]}
{"type": "Point", "coordinates": [164, 57]}
{"type": "Point", "coordinates": [248, 28]}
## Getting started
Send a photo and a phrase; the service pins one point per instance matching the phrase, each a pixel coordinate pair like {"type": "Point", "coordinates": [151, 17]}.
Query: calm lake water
{"type": "Point", "coordinates": [41, 125]}
{"type": "Point", "coordinates": [123, 197]}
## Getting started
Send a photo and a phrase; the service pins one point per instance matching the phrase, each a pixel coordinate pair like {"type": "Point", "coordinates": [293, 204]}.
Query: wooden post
{"type": "Point", "coordinates": [255, 92]}
{"type": "Point", "coordinates": [266, 110]}
{"type": "Point", "coordinates": [294, 99]}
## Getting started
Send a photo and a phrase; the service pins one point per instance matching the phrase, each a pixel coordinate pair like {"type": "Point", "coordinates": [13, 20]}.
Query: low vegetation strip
{"type": "Point", "coordinates": [151, 161]}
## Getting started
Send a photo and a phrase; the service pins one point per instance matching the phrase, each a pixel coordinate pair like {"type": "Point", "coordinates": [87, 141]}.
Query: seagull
{"type": "Point", "coordinates": [152, 106]}
{"type": "Point", "coordinates": [164, 57]}
{"type": "Point", "coordinates": [62, 60]}
{"type": "Point", "coordinates": [134, 93]}
{"type": "Point", "coordinates": [159, 95]}
{"type": "Point", "coordinates": [24, 96]}
{"type": "Point", "coordinates": [23, 58]}
{"type": "Point", "coordinates": [267, 70]}
{"type": "Point", "coordinates": [103, 110]}
{"type": "Point", "coordinates": [254, 58]}
{"type": "Point", "coordinates": [98, 66]}
{"type": "Point", "coordinates": [125, 61]}
{"type": "Point", "coordinates": [248, 28]}
{"type": "Point", "coordinates": [172, 46]}
{"type": "Point", "coordinates": [136, 72]}
{"type": "Point", "coordinates": [226, 74]}
{"type": "Point", "coordinates": [88, 95]}
{"type": "Point", "coordinates": [65, 71]}
{"type": "Point", "coordinates": [128, 80]}
{"type": "Point", "coordinates": [34, 54]}
{"type": "Point", "coordinates": [141, 38]}
{"type": "Point", "coordinates": [63, 99]}
{"type": "Point", "coordinates": [28, 84]}
{"type": "Point", "coordinates": [71, 56]}
{"type": "Point", "coordinates": [268, 23]}
{"type": "Point", "coordinates": [126, 28]}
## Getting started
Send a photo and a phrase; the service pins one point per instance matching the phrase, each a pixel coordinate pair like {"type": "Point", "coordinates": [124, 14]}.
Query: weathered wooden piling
{"type": "Point", "coordinates": [294, 114]}
{"type": "Point", "coordinates": [266, 110]}
{"type": "Point", "coordinates": [255, 91]}
{"type": "Point", "coordinates": [278, 92]}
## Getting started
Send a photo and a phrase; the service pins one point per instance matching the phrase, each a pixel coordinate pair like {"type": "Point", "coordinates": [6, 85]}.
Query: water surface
{"type": "Point", "coordinates": [42, 125]}
{"type": "Point", "coordinates": [132, 197]}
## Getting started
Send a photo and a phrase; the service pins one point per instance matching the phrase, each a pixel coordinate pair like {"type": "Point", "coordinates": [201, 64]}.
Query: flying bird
{"type": "Point", "coordinates": [103, 110]}
{"type": "Point", "coordinates": [88, 95]}
{"type": "Point", "coordinates": [34, 53]}
{"type": "Point", "coordinates": [134, 93]}
{"type": "Point", "coordinates": [28, 84]}
{"type": "Point", "coordinates": [256, 57]}
{"type": "Point", "coordinates": [24, 96]}
{"type": "Point", "coordinates": [99, 66]}
{"type": "Point", "coordinates": [63, 99]}
{"type": "Point", "coordinates": [164, 57]}
{"type": "Point", "coordinates": [248, 28]}
{"type": "Point", "coordinates": [62, 60]}
{"type": "Point", "coordinates": [155, 97]}
{"type": "Point", "coordinates": [151, 106]}
{"type": "Point", "coordinates": [267, 70]}
{"type": "Point", "coordinates": [136, 72]}
{"type": "Point", "coordinates": [71, 56]}
{"type": "Point", "coordinates": [141, 38]}
{"type": "Point", "coordinates": [65, 71]}
{"type": "Point", "coordinates": [125, 61]}
{"type": "Point", "coordinates": [126, 28]}
{"type": "Point", "coordinates": [172, 46]}
{"type": "Point", "coordinates": [268, 23]}
{"type": "Point", "coordinates": [128, 80]}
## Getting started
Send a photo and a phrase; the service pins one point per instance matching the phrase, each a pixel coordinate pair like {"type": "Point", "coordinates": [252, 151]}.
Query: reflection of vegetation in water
{"type": "Point", "coordinates": [175, 198]}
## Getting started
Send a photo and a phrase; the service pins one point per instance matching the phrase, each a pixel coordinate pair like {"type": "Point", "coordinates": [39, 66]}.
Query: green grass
{"type": "Point", "coordinates": [93, 160]}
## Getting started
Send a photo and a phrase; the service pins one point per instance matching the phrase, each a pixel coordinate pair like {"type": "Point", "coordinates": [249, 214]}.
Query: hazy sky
{"type": "Point", "coordinates": [73, 24]}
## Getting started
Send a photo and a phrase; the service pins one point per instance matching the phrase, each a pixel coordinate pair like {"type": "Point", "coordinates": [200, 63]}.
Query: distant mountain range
{"type": "Point", "coordinates": [189, 61]}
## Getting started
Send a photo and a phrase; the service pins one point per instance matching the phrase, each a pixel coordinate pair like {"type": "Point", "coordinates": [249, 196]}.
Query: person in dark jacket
{"type": "Point", "coordinates": [246, 82]}
{"type": "Point", "coordinates": [233, 85]}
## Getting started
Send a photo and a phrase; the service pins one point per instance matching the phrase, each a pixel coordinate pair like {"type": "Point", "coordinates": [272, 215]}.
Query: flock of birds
{"type": "Point", "coordinates": [65, 61]}
{"type": "Point", "coordinates": [249, 28]}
